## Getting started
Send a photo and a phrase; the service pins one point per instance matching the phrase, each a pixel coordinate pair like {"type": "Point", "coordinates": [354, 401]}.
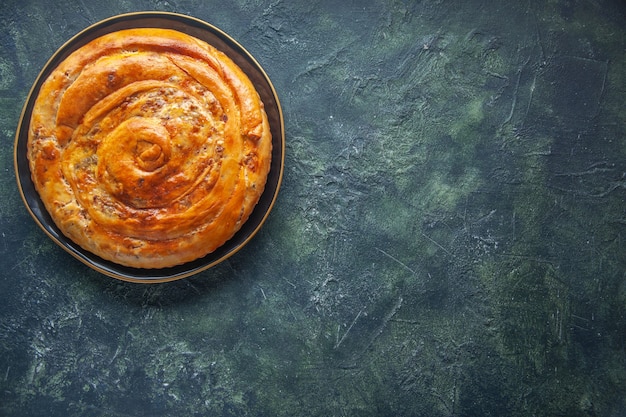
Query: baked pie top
{"type": "Point", "coordinates": [149, 147]}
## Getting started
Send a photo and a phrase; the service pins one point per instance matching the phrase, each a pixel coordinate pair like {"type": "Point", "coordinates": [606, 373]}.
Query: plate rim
{"type": "Point", "coordinates": [157, 275]}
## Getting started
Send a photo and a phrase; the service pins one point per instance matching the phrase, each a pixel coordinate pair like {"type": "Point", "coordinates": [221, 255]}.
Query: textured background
{"type": "Point", "coordinates": [449, 239]}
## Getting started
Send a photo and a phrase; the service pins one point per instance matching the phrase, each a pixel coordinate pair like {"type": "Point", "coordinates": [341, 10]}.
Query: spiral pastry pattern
{"type": "Point", "coordinates": [149, 147]}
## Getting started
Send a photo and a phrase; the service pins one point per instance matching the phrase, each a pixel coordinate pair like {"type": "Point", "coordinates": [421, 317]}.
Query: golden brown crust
{"type": "Point", "coordinates": [149, 147]}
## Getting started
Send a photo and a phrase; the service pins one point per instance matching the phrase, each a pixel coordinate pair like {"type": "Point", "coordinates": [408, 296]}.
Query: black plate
{"type": "Point", "coordinates": [239, 55]}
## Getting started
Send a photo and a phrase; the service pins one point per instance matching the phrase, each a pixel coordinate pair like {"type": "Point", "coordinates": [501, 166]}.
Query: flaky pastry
{"type": "Point", "coordinates": [148, 147]}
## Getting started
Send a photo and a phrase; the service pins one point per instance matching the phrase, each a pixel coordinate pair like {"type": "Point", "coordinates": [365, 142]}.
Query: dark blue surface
{"type": "Point", "coordinates": [448, 239]}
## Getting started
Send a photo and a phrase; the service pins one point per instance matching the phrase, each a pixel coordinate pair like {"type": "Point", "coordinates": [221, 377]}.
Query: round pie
{"type": "Point", "coordinates": [149, 147]}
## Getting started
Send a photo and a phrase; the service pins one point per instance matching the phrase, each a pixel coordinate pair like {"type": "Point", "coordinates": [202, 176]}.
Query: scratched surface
{"type": "Point", "coordinates": [449, 239]}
